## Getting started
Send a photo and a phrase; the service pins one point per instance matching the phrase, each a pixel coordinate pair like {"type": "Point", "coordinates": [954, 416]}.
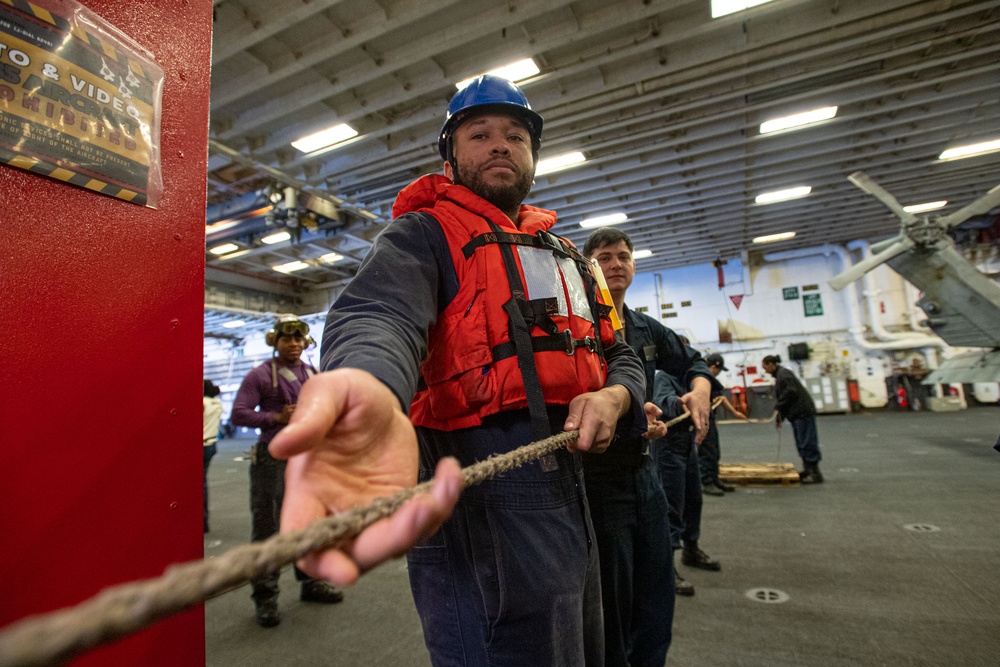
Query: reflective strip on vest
{"type": "Point", "coordinates": [577, 290]}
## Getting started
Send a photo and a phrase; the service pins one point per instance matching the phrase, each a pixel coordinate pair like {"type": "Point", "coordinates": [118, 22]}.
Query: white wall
{"type": "Point", "coordinates": [780, 322]}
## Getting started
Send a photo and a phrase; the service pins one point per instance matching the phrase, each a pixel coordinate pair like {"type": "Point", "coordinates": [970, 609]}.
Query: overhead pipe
{"type": "Point", "coordinates": [856, 328]}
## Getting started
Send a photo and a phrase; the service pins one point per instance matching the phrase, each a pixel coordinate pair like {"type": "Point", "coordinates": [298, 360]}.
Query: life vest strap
{"type": "Point", "coordinates": [563, 342]}
{"type": "Point", "coordinates": [541, 239]}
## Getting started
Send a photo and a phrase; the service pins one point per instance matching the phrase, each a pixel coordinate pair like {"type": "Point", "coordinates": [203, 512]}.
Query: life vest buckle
{"type": "Point", "coordinates": [549, 241]}
{"type": "Point", "coordinates": [570, 342]}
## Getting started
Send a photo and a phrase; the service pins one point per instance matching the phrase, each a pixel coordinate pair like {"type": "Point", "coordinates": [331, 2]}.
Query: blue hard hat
{"type": "Point", "coordinates": [485, 92]}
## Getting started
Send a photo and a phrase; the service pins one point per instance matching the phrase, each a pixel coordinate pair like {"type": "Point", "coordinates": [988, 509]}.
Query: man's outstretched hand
{"type": "Point", "coordinates": [348, 442]}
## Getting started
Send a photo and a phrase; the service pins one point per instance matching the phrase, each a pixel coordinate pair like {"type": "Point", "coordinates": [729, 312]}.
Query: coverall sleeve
{"type": "Point", "coordinates": [380, 322]}
{"type": "Point", "coordinates": [677, 359]}
{"type": "Point", "coordinates": [245, 404]}
{"type": "Point", "coordinates": [665, 396]}
{"type": "Point", "coordinates": [624, 368]}
{"type": "Point", "coordinates": [784, 392]}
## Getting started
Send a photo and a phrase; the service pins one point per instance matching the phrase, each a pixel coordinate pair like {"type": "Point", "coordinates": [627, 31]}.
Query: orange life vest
{"type": "Point", "coordinates": [477, 362]}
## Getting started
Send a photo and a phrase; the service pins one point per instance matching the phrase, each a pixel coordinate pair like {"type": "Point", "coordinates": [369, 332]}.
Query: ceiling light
{"type": "Point", "coordinates": [723, 7]}
{"type": "Point", "coordinates": [642, 254]}
{"type": "Point", "coordinates": [564, 161]}
{"type": "Point", "coordinates": [331, 257]}
{"type": "Point", "coordinates": [771, 238]}
{"type": "Point", "coordinates": [290, 266]}
{"type": "Point", "coordinates": [324, 138]}
{"type": "Point", "coordinates": [233, 324]}
{"type": "Point", "coordinates": [970, 150]}
{"type": "Point", "coordinates": [604, 220]}
{"type": "Point", "coordinates": [797, 120]}
{"type": "Point", "coordinates": [518, 71]}
{"type": "Point", "coordinates": [223, 249]}
{"type": "Point", "coordinates": [783, 195]}
{"type": "Point", "coordinates": [276, 238]}
{"type": "Point", "coordinates": [234, 255]}
{"type": "Point", "coordinates": [923, 208]}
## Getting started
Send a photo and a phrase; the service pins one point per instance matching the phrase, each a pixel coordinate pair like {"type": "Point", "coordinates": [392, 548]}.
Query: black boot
{"type": "Point", "coordinates": [811, 475]}
{"type": "Point", "coordinates": [711, 490]}
{"type": "Point", "coordinates": [317, 590]}
{"type": "Point", "coordinates": [692, 556]}
{"type": "Point", "coordinates": [267, 613]}
{"type": "Point", "coordinates": [682, 586]}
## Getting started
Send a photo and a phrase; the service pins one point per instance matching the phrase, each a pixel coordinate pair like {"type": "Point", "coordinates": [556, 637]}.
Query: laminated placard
{"type": "Point", "coordinates": [79, 100]}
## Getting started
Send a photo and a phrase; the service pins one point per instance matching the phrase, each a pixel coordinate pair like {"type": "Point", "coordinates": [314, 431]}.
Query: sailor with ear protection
{"type": "Point", "coordinates": [266, 400]}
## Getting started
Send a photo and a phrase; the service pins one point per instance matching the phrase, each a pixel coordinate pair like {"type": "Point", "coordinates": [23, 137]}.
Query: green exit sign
{"type": "Point", "coordinates": [812, 305]}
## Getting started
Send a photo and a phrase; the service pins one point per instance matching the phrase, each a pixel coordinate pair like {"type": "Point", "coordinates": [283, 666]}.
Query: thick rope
{"type": "Point", "coordinates": [119, 611]}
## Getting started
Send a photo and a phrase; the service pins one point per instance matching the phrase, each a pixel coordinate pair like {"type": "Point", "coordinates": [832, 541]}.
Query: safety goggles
{"type": "Point", "coordinates": [292, 328]}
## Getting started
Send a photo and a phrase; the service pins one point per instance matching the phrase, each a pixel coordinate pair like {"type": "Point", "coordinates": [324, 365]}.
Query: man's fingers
{"type": "Point", "coordinates": [300, 507]}
{"type": "Point", "coordinates": [574, 420]}
{"type": "Point", "coordinates": [291, 440]}
{"type": "Point", "coordinates": [387, 538]}
{"type": "Point", "coordinates": [333, 565]}
{"type": "Point", "coordinates": [416, 520]}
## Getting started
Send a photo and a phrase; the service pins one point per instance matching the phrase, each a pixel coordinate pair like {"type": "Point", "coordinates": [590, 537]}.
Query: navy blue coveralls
{"type": "Point", "coordinates": [629, 511]}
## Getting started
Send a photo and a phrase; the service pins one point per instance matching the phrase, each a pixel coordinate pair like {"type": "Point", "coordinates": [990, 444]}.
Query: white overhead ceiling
{"type": "Point", "coordinates": [663, 100]}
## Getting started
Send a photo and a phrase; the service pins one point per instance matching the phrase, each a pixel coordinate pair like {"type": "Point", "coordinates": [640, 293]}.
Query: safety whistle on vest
{"type": "Point", "coordinates": [602, 285]}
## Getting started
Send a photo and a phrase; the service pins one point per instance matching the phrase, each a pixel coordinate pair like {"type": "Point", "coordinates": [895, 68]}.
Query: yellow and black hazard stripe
{"type": "Point", "coordinates": [43, 168]}
{"type": "Point", "coordinates": [102, 45]}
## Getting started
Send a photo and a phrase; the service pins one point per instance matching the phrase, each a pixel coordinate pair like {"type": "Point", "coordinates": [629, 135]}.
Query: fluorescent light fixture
{"type": "Point", "coordinates": [723, 7]}
{"type": "Point", "coordinates": [276, 238]}
{"type": "Point", "coordinates": [223, 249]}
{"type": "Point", "coordinates": [233, 324]}
{"type": "Point", "coordinates": [797, 120]}
{"type": "Point", "coordinates": [234, 255]}
{"type": "Point", "coordinates": [604, 220]}
{"type": "Point", "coordinates": [783, 195]}
{"type": "Point", "coordinates": [559, 162]}
{"type": "Point", "coordinates": [771, 238]}
{"type": "Point", "coordinates": [331, 257]}
{"type": "Point", "coordinates": [929, 206]}
{"type": "Point", "coordinates": [290, 266]}
{"type": "Point", "coordinates": [322, 139]}
{"type": "Point", "coordinates": [518, 71]}
{"type": "Point", "coordinates": [971, 150]}
{"type": "Point", "coordinates": [642, 254]}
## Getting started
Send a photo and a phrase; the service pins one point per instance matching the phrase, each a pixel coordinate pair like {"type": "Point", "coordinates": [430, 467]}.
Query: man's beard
{"type": "Point", "coordinates": [507, 198]}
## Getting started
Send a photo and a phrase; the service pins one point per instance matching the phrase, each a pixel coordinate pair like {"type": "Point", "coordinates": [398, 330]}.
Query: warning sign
{"type": "Point", "coordinates": [79, 101]}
